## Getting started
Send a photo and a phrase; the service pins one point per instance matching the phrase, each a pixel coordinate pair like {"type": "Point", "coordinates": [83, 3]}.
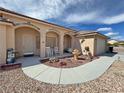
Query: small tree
{"type": "Point", "coordinates": [87, 48]}
{"type": "Point", "coordinates": [116, 44]}
{"type": "Point", "coordinates": [122, 44]}
{"type": "Point", "coordinates": [113, 45]}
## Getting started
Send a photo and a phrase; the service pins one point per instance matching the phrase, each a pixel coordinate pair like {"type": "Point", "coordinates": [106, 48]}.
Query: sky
{"type": "Point", "coordinates": [104, 16]}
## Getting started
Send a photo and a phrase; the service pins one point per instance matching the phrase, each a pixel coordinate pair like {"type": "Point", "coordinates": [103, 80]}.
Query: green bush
{"type": "Point", "coordinates": [87, 48]}
{"type": "Point", "coordinates": [114, 45]}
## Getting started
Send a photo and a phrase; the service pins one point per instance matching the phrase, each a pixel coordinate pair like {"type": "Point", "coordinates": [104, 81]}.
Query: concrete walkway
{"type": "Point", "coordinates": [119, 56]}
{"type": "Point", "coordinates": [90, 71]}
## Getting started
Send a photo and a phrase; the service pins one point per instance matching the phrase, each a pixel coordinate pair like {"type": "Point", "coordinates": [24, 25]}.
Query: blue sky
{"type": "Point", "coordinates": [105, 16]}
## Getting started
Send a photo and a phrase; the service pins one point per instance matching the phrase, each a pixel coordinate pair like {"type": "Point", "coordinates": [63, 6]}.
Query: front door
{"type": "Point", "coordinates": [28, 43]}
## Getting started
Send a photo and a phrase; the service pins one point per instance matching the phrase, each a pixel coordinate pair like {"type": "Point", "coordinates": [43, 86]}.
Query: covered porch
{"type": "Point", "coordinates": [58, 44]}
{"type": "Point", "coordinates": [27, 41]}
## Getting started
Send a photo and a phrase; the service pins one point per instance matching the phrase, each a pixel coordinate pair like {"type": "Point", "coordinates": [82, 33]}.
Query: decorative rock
{"type": "Point", "coordinates": [63, 63]}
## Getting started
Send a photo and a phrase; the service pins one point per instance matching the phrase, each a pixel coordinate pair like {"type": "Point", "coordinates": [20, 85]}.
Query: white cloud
{"type": "Point", "coordinates": [94, 17]}
{"type": "Point", "coordinates": [112, 34]}
{"type": "Point", "coordinates": [104, 29]}
{"type": "Point", "coordinates": [42, 9]}
{"type": "Point", "coordinates": [114, 19]}
{"type": "Point", "coordinates": [115, 35]}
{"type": "Point", "coordinates": [76, 18]}
{"type": "Point", "coordinates": [70, 11]}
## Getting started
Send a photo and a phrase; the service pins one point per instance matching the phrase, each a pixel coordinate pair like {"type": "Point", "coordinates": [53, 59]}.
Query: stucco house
{"type": "Point", "coordinates": [26, 34]}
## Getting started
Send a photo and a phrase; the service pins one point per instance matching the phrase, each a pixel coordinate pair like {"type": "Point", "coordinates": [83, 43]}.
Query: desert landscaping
{"type": "Point", "coordinates": [15, 81]}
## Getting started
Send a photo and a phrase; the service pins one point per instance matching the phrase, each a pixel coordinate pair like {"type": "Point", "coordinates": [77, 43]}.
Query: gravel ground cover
{"type": "Point", "coordinates": [15, 81]}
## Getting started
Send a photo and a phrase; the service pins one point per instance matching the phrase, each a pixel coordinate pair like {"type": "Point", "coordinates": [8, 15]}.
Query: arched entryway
{"type": "Point", "coordinates": [67, 42]}
{"type": "Point", "coordinates": [27, 40]}
{"type": "Point", "coordinates": [52, 43]}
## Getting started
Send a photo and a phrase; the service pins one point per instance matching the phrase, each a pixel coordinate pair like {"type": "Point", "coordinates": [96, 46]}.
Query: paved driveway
{"type": "Point", "coordinates": [90, 71]}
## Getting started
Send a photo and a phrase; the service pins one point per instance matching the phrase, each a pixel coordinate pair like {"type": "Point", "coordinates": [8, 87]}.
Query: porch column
{"type": "Point", "coordinates": [10, 37]}
{"type": "Point", "coordinates": [72, 42]}
{"type": "Point", "coordinates": [42, 44]}
{"type": "Point", "coordinates": [61, 43]}
{"type": "Point", "coordinates": [2, 44]}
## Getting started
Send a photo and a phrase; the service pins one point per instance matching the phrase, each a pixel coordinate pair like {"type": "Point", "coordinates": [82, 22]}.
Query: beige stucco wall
{"type": "Point", "coordinates": [10, 40]}
{"type": "Point", "coordinates": [67, 41]}
{"type": "Point", "coordinates": [2, 44]}
{"type": "Point", "coordinates": [19, 33]}
{"type": "Point", "coordinates": [100, 45]}
{"type": "Point", "coordinates": [88, 42]}
{"type": "Point", "coordinates": [77, 44]}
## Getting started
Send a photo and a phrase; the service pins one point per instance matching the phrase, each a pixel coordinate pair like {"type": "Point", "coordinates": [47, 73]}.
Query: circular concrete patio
{"type": "Point", "coordinates": [90, 71]}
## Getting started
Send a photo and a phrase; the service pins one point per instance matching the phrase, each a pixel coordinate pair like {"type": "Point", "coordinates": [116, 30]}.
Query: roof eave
{"type": "Point", "coordinates": [21, 15]}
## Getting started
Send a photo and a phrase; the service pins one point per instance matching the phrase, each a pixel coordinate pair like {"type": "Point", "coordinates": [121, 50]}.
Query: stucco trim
{"type": "Point", "coordinates": [52, 30]}
{"type": "Point", "coordinates": [79, 34]}
{"type": "Point", "coordinates": [5, 23]}
{"type": "Point", "coordinates": [24, 25]}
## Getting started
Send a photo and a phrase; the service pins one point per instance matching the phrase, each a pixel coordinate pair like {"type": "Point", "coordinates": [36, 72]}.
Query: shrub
{"type": "Point", "coordinates": [87, 48]}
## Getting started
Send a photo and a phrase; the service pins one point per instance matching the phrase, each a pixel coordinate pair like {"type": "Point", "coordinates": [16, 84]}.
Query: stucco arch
{"type": "Point", "coordinates": [27, 39]}
{"type": "Point", "coordinates": [52, 35]}
{"type": "Point", "coordinates": [52, 43]}
{"type": "Point", "coordinates": [53, 30]}
{"type": "Point", "coordinates": [27, 25]}
{"type": "Point", "coordinates": [68, 35]}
